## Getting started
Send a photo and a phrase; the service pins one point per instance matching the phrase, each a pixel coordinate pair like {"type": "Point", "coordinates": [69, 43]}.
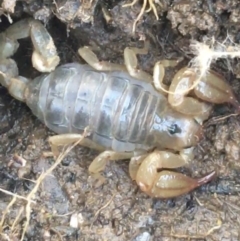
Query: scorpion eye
{"type": "Point", "coordinates": [174, 129]}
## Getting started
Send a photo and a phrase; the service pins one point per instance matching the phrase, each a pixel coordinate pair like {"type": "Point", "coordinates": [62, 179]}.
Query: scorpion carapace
{"type": "Point", "coordinates": [122, 106]}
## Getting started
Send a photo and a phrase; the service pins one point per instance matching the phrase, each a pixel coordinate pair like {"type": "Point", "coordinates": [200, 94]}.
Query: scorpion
{"type": "Point", "coordinates": [127, 115]}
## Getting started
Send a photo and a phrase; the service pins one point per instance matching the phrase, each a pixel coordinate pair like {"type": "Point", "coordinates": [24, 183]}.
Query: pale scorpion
{"type": "Point", "coordinates": [127, 116]}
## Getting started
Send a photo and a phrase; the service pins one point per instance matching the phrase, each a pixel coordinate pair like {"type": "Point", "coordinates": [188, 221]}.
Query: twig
{"type": "Point", "coordinates": [6, 211]}
{"type": "Point", "coordinates": [15, 195]}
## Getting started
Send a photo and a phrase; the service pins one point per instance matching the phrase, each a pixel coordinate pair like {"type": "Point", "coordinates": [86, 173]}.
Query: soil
{"type": "Point", "coordinates": [69, 205]}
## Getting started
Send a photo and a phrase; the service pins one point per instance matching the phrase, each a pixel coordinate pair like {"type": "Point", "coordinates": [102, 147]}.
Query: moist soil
{"type": "Point", "coordinates": [69, 205]}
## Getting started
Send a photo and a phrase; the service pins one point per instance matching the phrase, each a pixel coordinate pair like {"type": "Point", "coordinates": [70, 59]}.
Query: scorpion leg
{"type": "Point", "coordinates": [67, 139]}
{"type": "Point", "coordinates": [131, 62]}
{"type": "Point", "coordinates": [99, 162]}
{"type": "Point", "coordinates": [90, 57]}
{"type": "Point", "coordinates": [159, 73]}
{"type": "Point", "coordinates": [146, 170]}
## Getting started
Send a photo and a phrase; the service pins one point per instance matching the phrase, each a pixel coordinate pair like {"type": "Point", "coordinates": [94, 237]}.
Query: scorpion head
{"type": "Point", "coordinates": [176, 131]}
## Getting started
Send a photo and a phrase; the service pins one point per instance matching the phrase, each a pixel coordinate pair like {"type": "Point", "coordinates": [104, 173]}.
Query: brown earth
{"type": "Point", "coordinates": [118, 210]}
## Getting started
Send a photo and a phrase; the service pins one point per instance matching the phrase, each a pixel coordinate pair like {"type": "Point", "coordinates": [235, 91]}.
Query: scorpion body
{"type": "Point", "coordinates": [118, 110]}
{"type": "Point", "coordinates": [123, 107]}
{"type": "Point", "coordinates": [122, 112]}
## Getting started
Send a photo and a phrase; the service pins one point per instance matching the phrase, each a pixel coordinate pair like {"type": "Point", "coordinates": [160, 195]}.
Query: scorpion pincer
{"type": "Point", "coordinates": [129, 118]}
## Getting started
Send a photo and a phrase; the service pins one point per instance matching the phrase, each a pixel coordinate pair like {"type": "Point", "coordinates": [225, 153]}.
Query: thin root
{"type": "Point", "coordinates": [152, 7]}
{"type": "Point", "coordinates": [103, 207]}
{"type": "Point", "coordinates": [197, 236]}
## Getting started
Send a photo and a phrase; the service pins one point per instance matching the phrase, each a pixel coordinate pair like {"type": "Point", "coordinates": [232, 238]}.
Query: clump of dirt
{"type": "Point", "coordinates": [68, 205]}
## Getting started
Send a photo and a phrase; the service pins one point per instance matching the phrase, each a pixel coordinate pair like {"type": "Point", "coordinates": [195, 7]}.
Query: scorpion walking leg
{"type": "Point", "coordinates": [99, 162]}
{"type": "Point", "coordinates": [131, 62]}
{"type": "Point", "coordinates": [146, 170]}
{"type": "Point", "coordinates": [159, 73]}
{"type": "Point", "coordinates": [90, 57]}
{"type": "Point", "coordinates": [67, 139]}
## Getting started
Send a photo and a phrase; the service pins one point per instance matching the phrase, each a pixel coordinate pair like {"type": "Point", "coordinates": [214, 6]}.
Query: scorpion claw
{"type": "Point", "coordinates": [148, 172]}
{"type": "Point", "coordinates": [170, 184]}
{"type": "Point", "coordinates": [211, 88]}
{"type": "Point", "coordinates": [214, 89]}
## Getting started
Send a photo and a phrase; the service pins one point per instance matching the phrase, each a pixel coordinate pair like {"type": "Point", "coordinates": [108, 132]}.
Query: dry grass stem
{"type": "Point", "coordinates": [6, 211]}
{"type": "Point", "coordinates": [206, 53]}
{"type": "Point", "coordinates": [31, 195]}
{"type": "Point", "coordinates": [43, 176]}
{"type": "Point", "coordinates": [15, 195]}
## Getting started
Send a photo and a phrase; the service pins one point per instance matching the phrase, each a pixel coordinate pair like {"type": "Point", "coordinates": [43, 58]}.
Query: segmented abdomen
{"type": "Point", "coordinates": [118, 109]}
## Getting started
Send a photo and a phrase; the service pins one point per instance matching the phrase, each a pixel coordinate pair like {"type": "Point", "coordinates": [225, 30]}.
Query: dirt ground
{"type": "Point", "coordinates": [68, 205]}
